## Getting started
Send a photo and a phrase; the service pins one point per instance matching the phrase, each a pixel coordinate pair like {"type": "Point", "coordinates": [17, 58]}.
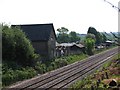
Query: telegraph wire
{"type": "Point", "coordinates": [113, 5]}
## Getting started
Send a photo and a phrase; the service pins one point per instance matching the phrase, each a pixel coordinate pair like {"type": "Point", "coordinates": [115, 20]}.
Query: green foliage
{"type": "Point", "coordinates": [7, 78]}
{"type": "Point", "coordinates": [89, 43]}
{"type": "Point", "coordinates": [62, 30]}
{"type": "Point", "coordinates": [64, 37]}
{"type": "Point", "coordinates": [104, 38]}
{"type": "Point", "coordinates": [73, 37]}
{"type": "Point", "coordinates": [40, 68]}
{"type": "Point", "coordinates": [92, 30]}
{"type": "Point", "coordinates": [61, 62]}
{"type": "Point", "coordinates": [98, 38]}
{"type": "Point", "coordinates": [61, 38]}
{"type": "Point", "coordinates": [16, 47]}
{"type": "Point", "coordinates": [80, 84]}
{"type": "Point", "coordinates": [74, 58]}
{"type": "Point", "coordinates": [12, 76]}
{"type": "Point", "coordinates": [97, 34]}
{"type": "Point", "coordinates": [17, 53]}
{"type": "Point", "coordinates": [92, 36]}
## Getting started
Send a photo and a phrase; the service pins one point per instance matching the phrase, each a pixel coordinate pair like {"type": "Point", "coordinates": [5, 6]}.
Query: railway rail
{"type": "Point", "coordinates": [67, 75]}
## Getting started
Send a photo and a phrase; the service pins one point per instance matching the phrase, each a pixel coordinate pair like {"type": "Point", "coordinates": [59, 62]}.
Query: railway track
{"type": "Point", "coordinates": [67, 75]}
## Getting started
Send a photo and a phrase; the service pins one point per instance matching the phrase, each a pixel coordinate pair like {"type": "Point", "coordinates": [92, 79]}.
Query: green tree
{"type": "Point", "coordinates": [62, 35]}
{"type": "Point", "coordinates": [98, 36]}
{"type": "Point", "coordinates": [62, 38]}
{"type": "Point", "coordinates": [104, 38]}
{"type": "Point", "coordinates": [62, 30]}
{"type": "Point", "coordinates": [92, 30]}
{"type": "Point", "coordinates": [92, 36]}
{"type": "Point", "coordinates": [16, 47]}
{"type": "Point", "coordinates": [73, 36]}
{"type": "Point", "coordinates": [89, 44]}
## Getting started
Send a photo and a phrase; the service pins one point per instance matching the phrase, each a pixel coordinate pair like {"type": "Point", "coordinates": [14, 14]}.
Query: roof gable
{"type": "Point", "coordinates": [37, 32]}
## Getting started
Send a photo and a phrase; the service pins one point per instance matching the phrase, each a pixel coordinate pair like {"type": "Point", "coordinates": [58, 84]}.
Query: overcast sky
{"type": "Point", "coordinates": [76, 15]}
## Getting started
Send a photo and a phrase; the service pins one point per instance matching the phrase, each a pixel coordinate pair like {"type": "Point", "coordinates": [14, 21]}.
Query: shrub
{"type": "Point", "coordinates": [40, 68]}
{"type": "Point", "coordinates": [53, 64]}
{"type": "Point", "coordinates": [7, 78]}
{"type": "Point", "coordinates": [50, 68]}
{"type": "Point", "coordinates": [12, 76]}
{"type": "Point", "coordinates": [61, 62]}
{"type": "Point", "coordinates": [16, 47]}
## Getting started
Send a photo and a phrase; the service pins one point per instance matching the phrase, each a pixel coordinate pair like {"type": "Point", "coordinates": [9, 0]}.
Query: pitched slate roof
{"type": "Point", "coordinates": [37, 32]}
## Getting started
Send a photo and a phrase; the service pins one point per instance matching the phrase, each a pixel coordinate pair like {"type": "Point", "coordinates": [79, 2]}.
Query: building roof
{"type": "Point", "coordinates": [67, 44]}
{"type": "Point", "coordinates": [71, 44]}
{"type": "Point", "coordinates": [80, 45]}
{"type": "Point", "coordinates": [37, 32]}
{"type": "Point", "coordinates": [109, 41]}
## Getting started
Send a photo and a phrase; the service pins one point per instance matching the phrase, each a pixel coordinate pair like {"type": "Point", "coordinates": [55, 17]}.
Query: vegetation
{"type": "Point", "coordinates": [18, 56]}
{"type": "Point", "coordinates": [104, 38]}
{"type": "Point", "coordinates": [73, 37]}
{"type": "Point", "coordinates": [100, 37]}
{"type": "Point", "coordinates": [62, 61]}
{"type": "Point", "coordinates": [11, 76]}
{"type": "Point", "coordinates": [16, 47]}
{"type": "Point", "coordinates": [64, 37]}
{"type": "Point", "coordinates": [90, 44]}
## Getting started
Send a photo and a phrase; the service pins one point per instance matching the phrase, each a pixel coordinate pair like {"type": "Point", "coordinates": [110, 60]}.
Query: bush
{"type": "Point", "coordinates": [61, 62]}
{"type": "Point", "coordinates": [7, 78]}
{"type": "Point", "coordinates": [16, 47]}
{"type": "Point", "coordinates": [25, 73]}
{"type": "Point", "coordinates": [53, 64]}
{"type": "Point", "coordinates": [12, 76]}
{"type": "Point", "coordinates": [40, 68]}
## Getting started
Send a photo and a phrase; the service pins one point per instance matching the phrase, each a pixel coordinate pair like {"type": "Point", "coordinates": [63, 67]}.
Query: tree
{"type": "Point", "coordinates": [73, 36]}
{"type": "Point", "coordinates": [92, 30]}
{"type": "Point", "coordinates": [89, 44]}
{"type": "Point", "coordinates": [16, 47]}
{"type": "Point", "coordinates": [62, 38]}
{"type": "Point", "coordinates": [98, 36]}
{"type": "Point", "coordinates": [92, 36]}
{"type": "Point", "coordinates": [115, 36]}
{"type": "Point", "coordinates": [62, 35]}
{"type": "Point", "coordinates": [104, 38]}
{"type": "Point", "coordinates": [62, 30]}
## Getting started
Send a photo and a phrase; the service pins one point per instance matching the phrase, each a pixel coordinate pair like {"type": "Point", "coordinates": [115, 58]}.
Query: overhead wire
{"type": "Point", "coordinates": [113, 5]}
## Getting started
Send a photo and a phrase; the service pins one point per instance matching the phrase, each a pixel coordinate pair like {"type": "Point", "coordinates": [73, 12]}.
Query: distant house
{"type": "Point", "coordinates": [69, 49]}
{"type": "Point", "coordinates": [43, 38]}
{"type": "Point", "coordinates": [109, 43]}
